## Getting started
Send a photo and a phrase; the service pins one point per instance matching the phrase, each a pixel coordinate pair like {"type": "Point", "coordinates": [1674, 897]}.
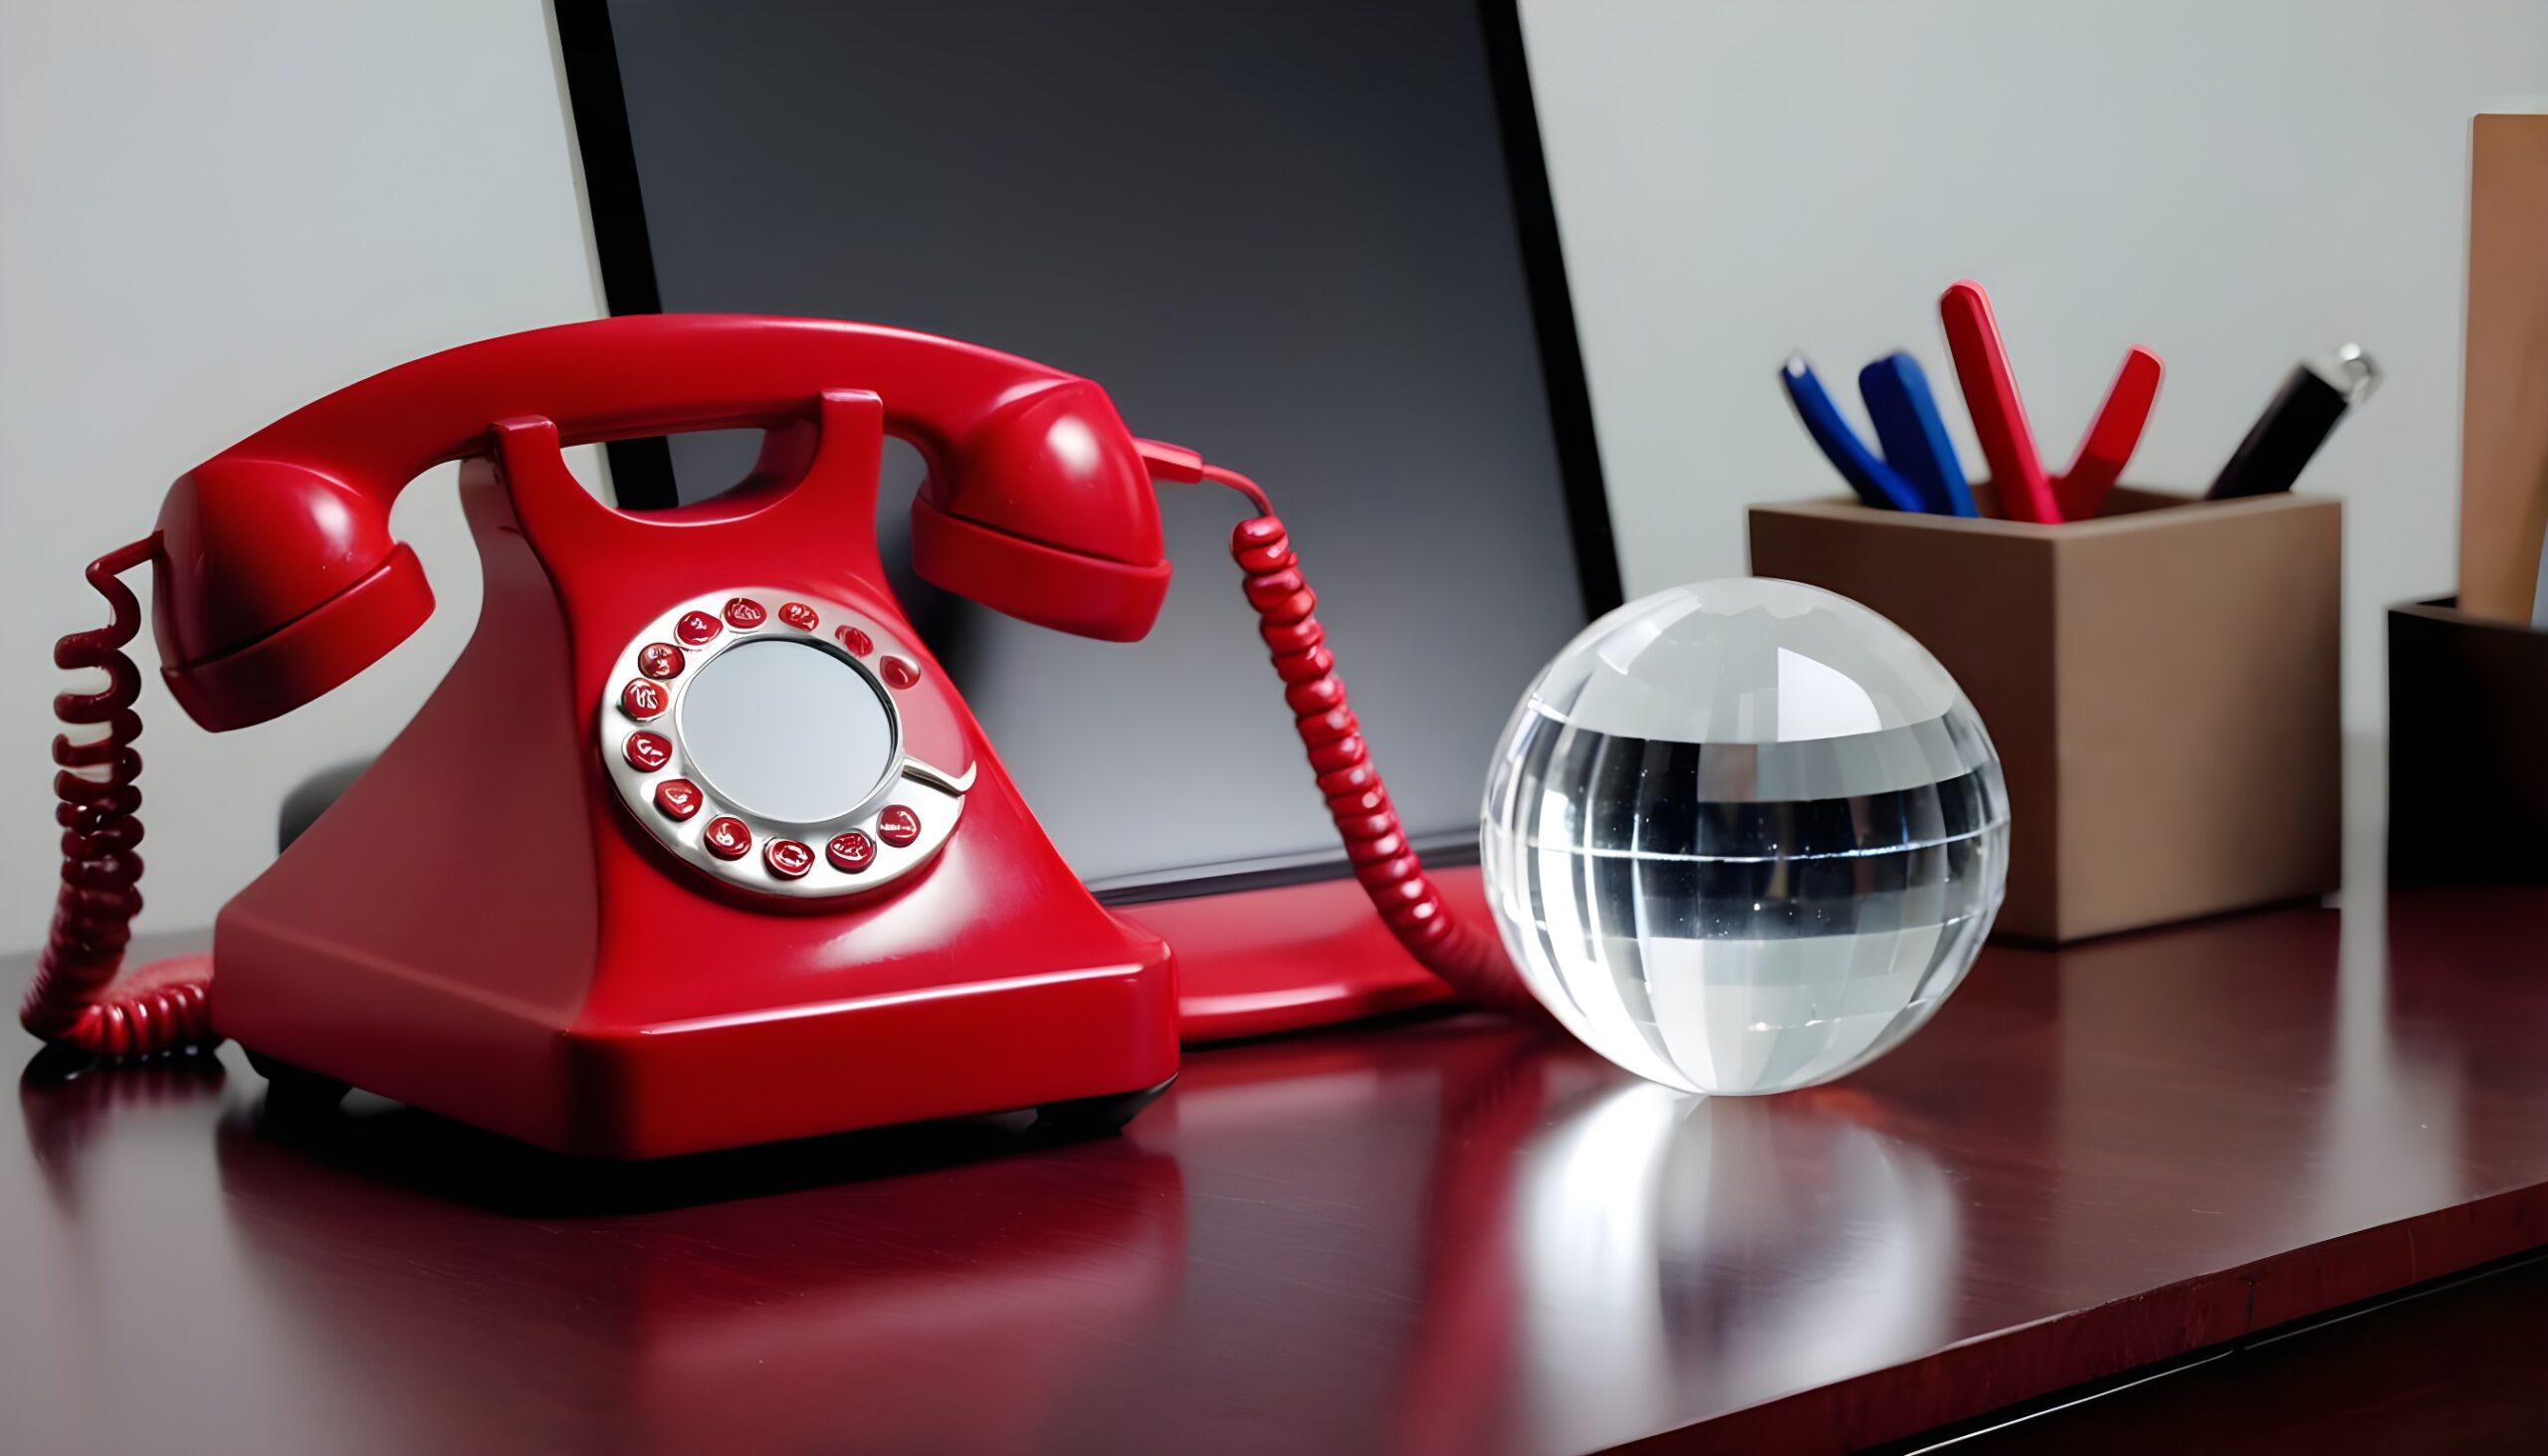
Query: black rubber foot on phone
{"type": "Point", "coordinates": [292, 1090]}
{"type": "Point", "coordinates": [1096, 1117]}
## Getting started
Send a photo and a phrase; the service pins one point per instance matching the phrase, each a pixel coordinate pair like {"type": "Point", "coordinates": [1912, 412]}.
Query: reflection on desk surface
{"type": "Point", "coordinates": [1448, 1234]}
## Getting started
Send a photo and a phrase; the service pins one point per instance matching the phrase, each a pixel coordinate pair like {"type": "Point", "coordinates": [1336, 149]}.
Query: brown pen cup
{"type": "Point", "coordinates": [2467, 747]}
{"type": "Point", "coordinates": [2162, 683]}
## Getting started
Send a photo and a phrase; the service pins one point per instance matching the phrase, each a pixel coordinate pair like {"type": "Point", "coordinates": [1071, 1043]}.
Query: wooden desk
{"type": "Point", "coordinates": [1447, 1235]}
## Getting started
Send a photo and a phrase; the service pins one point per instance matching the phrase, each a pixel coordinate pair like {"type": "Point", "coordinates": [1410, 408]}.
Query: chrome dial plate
{"type": "Point", "coordinates": [893, 830]}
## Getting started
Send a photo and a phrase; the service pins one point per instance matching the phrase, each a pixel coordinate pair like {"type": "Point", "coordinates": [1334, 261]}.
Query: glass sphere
{"type": "Point", "coordinates": [1744, 836]}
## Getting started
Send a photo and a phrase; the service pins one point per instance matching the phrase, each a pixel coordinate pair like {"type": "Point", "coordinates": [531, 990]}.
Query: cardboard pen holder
{"type": "Point", "coordinates": [2160, 683]}
{"type": "Point", "coordinates": [2467, 747]}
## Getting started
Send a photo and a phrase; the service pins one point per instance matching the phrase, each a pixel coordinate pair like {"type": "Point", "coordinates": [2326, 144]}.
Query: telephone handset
{"type": "Point", "coordinates": [695, 845]}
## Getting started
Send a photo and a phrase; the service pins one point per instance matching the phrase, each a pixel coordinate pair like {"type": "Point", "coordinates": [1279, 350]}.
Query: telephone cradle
{"type": "Point", "coordinates": [695, 845]}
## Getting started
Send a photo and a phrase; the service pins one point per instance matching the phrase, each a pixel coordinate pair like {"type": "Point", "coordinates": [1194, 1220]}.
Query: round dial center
{"type": "Point", "coordinates": [786, 731]}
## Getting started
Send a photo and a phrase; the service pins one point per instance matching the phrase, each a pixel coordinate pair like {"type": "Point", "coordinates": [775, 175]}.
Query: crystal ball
{"type": "Point", "coordinates": [1744, 836]}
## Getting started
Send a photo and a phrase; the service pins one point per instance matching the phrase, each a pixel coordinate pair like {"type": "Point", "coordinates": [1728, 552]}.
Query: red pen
{"type": "Point", "coordinates": [1991, 397]}
{"type": "Point", "coordinates": [2111, 439]}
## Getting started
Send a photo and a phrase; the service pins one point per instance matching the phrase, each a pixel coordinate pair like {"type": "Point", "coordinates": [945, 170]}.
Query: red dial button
{"type": "Point", "coordinates": [642, 700]}
{"type": "Point", "coordinates": [799, 616]}
{"type": "Point", "coordinates": [897, 825]}
{"type": "Point", "coordinates": [850, 853]}
{"type": "Point", "coordinates": [859, 643]}
{"type": "Point", "coordinates": [648, 751]}
{"type": "Point", "coordinates": [898, 673]}
{"type": "Point", "coordinates": [743, 614]}
{"type": "Point", "coordinates": [728, 838]}
{"type": "Point", "coordinates": [787, 858]}
{"type": "Point", "coordinates": [660, 660]}
{"type": "Point", "coordinates": [698, 628]}
{"type": "Point", "coordinates": [679, 798]}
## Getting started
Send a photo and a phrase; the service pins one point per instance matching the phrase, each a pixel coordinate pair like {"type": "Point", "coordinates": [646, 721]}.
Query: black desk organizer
{"type": "Point", "coordinates": [2468, 749]}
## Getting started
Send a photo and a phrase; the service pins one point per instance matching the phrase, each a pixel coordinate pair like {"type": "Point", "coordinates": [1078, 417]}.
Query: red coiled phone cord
{"type": "Point", "coordinates": [76, 998]}
{"type": "Point", "coordinates": [1471, 962]}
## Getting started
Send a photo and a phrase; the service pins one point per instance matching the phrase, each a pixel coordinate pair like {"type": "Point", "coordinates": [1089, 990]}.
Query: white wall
{"type": "Point", "coordinates": [2231, 184]}
{"type": "Point", "coordinates": [209, 215]}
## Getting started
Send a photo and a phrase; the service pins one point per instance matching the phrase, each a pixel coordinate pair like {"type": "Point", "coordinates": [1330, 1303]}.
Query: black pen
{"type": "Point", "coordinates": [2295, 424]}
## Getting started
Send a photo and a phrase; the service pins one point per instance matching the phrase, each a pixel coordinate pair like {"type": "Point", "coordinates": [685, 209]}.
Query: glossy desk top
{"type": "Point", "coordinates": [1452, 1235]}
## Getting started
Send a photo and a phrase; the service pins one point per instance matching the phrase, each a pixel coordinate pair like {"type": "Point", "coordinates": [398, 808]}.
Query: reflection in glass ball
{"type": "Point", "coordinates": [1744, 836]}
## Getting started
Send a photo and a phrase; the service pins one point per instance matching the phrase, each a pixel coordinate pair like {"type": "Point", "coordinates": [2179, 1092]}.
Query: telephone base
{"type": "Point", "coordinates": [597, 1075]}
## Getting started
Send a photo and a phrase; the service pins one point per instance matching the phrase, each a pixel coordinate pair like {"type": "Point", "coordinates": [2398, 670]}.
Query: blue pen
{"type": "Point", "coordinates": [1876, 483]}
{"type": "Point", "coordinates": [1913, 436]}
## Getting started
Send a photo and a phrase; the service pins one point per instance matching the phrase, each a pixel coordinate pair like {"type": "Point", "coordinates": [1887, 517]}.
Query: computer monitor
{"type": "Point", "coordinates": [1312, 240]}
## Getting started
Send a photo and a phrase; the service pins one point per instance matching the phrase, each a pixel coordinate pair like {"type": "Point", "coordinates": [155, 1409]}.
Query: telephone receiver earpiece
{"type": "Point", "coordinates": [278, 578]}
{"type": "Point", "coordinates": [276, 583]}
{"type": "Point", "coordinates": [1005, 523]}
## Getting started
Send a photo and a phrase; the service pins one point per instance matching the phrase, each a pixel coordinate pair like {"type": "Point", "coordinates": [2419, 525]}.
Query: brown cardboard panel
{"type": "Point", "coordinates": [2503, 435]}
{"type": "Point", "coordinates": [2162, 685]}
{"type": "Point", "coordinates": [2200, 741]}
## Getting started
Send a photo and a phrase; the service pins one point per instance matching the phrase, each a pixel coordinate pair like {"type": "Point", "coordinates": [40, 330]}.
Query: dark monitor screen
{"type": "Point", "coordinates": [1311, 240]}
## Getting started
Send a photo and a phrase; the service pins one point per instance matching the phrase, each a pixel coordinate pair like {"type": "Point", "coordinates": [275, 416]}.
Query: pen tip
{"type": "Point", "coordinates": [1794, 368]}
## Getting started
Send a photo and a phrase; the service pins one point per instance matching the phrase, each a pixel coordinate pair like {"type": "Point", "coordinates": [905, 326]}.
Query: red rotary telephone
{"type": "Point", "coordinates": [694, 846]}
